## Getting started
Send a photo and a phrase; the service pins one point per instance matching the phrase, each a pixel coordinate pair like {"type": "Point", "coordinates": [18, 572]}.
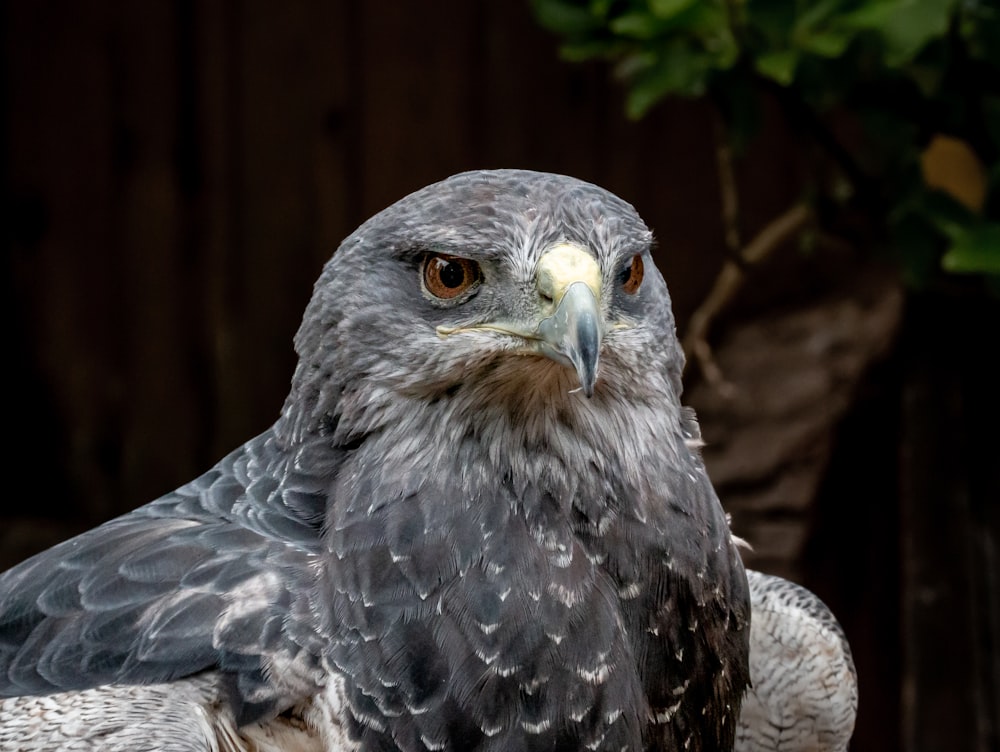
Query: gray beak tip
{"type": "Point", "coordinates": [573, 335]}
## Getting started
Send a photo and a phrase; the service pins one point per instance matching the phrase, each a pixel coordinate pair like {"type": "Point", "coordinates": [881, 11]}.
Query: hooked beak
{"type": "Point", "coordinates": [569, 277]}
{"type": "Point", "coordinates": [569, 331]}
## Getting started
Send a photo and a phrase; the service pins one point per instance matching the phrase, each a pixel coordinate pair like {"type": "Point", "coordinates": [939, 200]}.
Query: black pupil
{"type": "Point", "coordinates": [626, 273]}
{"type": "Point", "coordinates": [452, 274]}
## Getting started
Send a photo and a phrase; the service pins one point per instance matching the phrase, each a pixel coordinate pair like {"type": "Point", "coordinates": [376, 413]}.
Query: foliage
{"type": "Point", "coordinates": [919, 80]}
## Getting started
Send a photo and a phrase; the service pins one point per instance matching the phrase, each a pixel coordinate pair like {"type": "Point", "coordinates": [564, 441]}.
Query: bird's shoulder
{"type": "Point", "coordinates": [214, 574]}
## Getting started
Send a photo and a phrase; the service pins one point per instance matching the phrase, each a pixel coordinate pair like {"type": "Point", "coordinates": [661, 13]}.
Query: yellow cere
{"type": "Point", "coordinates": [564, 264]}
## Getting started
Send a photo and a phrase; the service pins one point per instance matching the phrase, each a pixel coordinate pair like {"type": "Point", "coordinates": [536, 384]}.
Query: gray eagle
{"type": "Point", "coordinates": [480, 522]}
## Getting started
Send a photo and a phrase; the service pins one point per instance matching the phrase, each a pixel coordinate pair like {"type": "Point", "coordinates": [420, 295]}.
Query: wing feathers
{"type": "Point", "coordinates": [214, 574]}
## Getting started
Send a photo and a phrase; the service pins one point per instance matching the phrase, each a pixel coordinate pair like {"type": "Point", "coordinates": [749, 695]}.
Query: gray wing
{"type": "Point", "coordinates": [805, 690]}
{"type": "Point", "coordinates": [214, 575]}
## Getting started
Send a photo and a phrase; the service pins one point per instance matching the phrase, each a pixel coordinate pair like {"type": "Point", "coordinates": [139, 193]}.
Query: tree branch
{"type": "Point", "coordinates": [728, 283]}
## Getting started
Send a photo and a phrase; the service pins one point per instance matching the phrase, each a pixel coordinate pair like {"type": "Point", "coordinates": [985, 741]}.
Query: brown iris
{"type": "Point", "coordinates": [631, 277]}
{"type": "Point", "coordinates": [447, 277]}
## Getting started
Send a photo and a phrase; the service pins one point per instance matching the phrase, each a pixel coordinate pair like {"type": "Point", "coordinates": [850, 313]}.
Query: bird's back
{"type": "Point", "coordinates": [804, 692]}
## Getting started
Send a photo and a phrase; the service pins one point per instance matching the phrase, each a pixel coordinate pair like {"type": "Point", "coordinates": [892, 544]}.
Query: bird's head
{"type": "Point", "coordinates": [522, 284]}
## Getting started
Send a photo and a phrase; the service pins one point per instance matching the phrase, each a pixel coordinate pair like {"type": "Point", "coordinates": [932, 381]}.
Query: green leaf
{"type": "Point", "coordinates": [643, 96]}
{"type": "Point", "coordinates": [817, 13]}
{"type": "Point", "coordinates": [779, 66]}
{"type": "Point", "coordinates": [565, 17]}
{"type": "Point", "coordinates": [975, 251]}
{"type": "Point", "coordinates": [633, 64]}
{"type": "Point", "coordinates": [874, 15]}
{"type": "Point", "coordinates": [636, 25]}
{"type": "Point", "coordinates": [679, 70]}
{"type": "Point", "coordinates": [946, 214]}
{"type": "Point", "coordinates": [669, 8]}
{"type": "Point", "coordinates": [905, 26]}
{"type": "Point", "coordinates": [600, 8]}
{"type": "Point", "coordinates": [825, 43]}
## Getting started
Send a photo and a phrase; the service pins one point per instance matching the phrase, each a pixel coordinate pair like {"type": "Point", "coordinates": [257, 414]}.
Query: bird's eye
{"type": "Point", "coordinates": [631, 275]}
{"type": "Point", "coordinates": [447, 277]}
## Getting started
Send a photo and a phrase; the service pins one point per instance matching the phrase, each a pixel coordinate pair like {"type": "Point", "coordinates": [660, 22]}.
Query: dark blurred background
{"type": "Point", "coordinates": [176, 173]}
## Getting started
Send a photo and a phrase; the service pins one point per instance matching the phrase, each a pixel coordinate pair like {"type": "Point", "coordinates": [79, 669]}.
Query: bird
{"type": "Point", "coordinates": [480, 521]}
{"type": "Point", "coordinates": [803, 695]}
